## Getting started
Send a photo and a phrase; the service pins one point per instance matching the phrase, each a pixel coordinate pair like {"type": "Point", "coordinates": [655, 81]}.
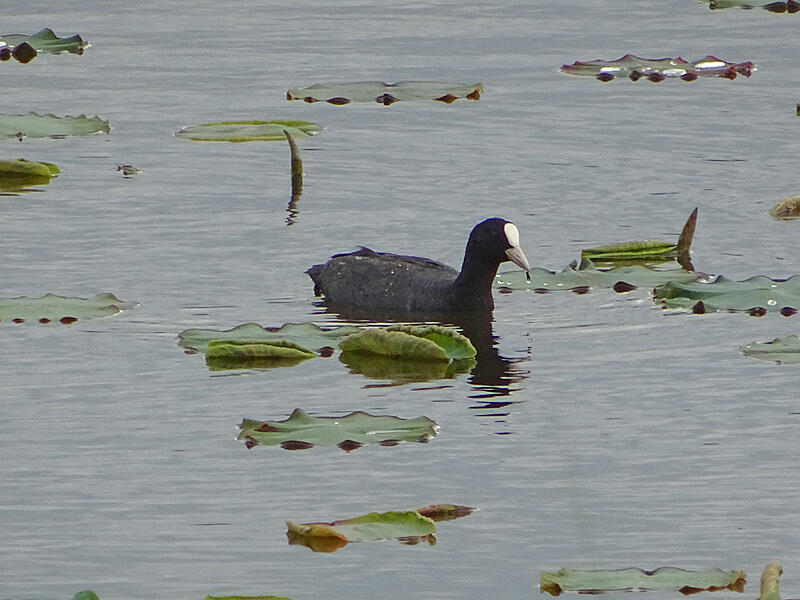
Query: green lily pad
{"type": "Point", "coordinates": [85, 595]}
{"type": "Point", "coordinates": [33, 125]}
{"type": "Point", "coordinates": [770, 581]}
{"type": "Point", "coordinates": [757, 295]}
{"type": "Point", "coordinates": [659, 69]}
{"type": "Point", "coordinates": [24, 48]}
{"type": "Point", "coordinates": [301, 431]}
{"type": "Point", "coordinates": [782, 351]}
{"type": "Point", "coordinates": [306, 335]}
{"type": "Point", "coordinates": [663, 579]}
{"type": "Point", "coordinates": [328, 537]}
{"type": "Point", "coordinates": [239, 354]}
{"type": "Point", "coordinates": [385, 93]}
{"type": "Point", "coordinates": [411, 342]}
{"type": "Point", "coordinates": [60, 309]}
{"type": "Point", "coordinates": [249, 131]}
{"type": "Point", "coordinates": [587, 276]}
{"type": "Point", "coordinates": [16, 175]}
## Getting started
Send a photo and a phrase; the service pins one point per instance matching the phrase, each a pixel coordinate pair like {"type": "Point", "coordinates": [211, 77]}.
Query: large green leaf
{"type": "Point", "coordinates": [663, 579]}
{"type": "Point", "coordinates": [25, 48]}
{"type": "Point", "coordinates": [306, 335]}
{"type": "Point", "coordinates": [38, 126]}
{"type": "Point", "coordinates": [248, 131]}
{"type": "Point", "coordinates": [756, 295]}
{"type": "Point", "coordinates": [659, 69]}
{"type": "Point", "coordinates": [301, 431]}
{"type": "Point", "coordinates": [16, 175]}
{"type": "Point", "coordinates": [782, 351]}
{"type": "Point", "coordinates": [411, 342]}
{"type": "Point", "coordinates": [329, 537]}
{"type": "Point", "coordinates": [385, 93]}
{"type": "Point", "coordinates": [52, 309]}
{"type": "Point", "coordinates": [587, 276]}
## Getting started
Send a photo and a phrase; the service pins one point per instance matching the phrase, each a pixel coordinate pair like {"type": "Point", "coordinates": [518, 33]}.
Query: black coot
{"type": "Point", "coordinates": [375, 280]}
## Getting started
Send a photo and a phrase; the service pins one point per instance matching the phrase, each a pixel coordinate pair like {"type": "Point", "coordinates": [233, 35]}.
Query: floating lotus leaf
{"type": "Point", "coordinates": [770, 580]}
{"type": "Point", "coordinates": [756, 295]}
{"type": "Point", "coordinates": [587, 276]}
{"type": "Point", "coordinates": [783, 351]}
{"type": "Point", "coordinates": [85, 595]}
{"type": "Point", "coordinates": [659, 69]}
{"type": "Point", "coordinates": [329, 537]}
{"type": "Point", "coordinates": [249, 131]}
{"type": "Point", "coordinates": [305, 335]}
{"type": "Point", "coordinates": [445, 512]}
{"type": "Point", "coordinates": [15, 175]}
{"type": "Point", "coordinates": [376, 366]}
{"type": "Point", "coordinates": [788, 208]}
{"type": "Point", "coordinates": [38, 126]}
{"type": "Point", "coordinates": [24, 48]}
{"type": "Point", "coordinates": [385, 93]}
{"type": "Point", "coordinates": [247, 598]}
{"type": "Point", "coordinates": [248, 354]}
{"type": "Point", "coordinates": [52, 309]}
{"type": "Point", "coordinates": [410, 342]}
{"type": "Point", "coordinates": [301, 431]}
{"type": "Point", "coordinates": [777, 7]}
{"type": "Point", "coordinates": [663, 579]}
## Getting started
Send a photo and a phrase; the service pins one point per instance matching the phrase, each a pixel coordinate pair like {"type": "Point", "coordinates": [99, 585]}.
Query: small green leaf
{"type": "Point", "coordinates": [409, 342]}
{"type": "Point", "coordinates": [385, 93]}
{"type": "Point", "coordinates": [782, 351]}
{"type": "Point", "coordinates": [225, 354]}
{"type": "Point", "coordinates": [347, 432]}
{"type": "Point", "coordinates": [25, 48]}
{"type": "Point", "coordinates": [59, 309]}
{"type": "Point", "coordinates": [249, 131]}
{"type": "Point", "coordinates": [33, 125]}
{"type": "Point", "coordinates": [367, 528]}
{"type": "Point", "coordinates": [663, 579]}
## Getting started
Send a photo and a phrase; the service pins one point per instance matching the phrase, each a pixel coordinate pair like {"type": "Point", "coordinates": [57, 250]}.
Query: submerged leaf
{"type": "Point", "coordinates": [756, 295]}
{"type": "Point", "coordinates": [782, 351]}
{"type": "Point", "coordinates": [659, 69]}
{"type": "Point", "coordinates": [409, 342]}
{"type": "Point", "coordinates": [59, 309]}
{"type": "Point", "coordinates": [248, 131]}
{"type": "Point", "coordinates": [404, 370]}
{"type": "Point", "coordinates": [348, 432]}
{"type": "Point", "coordinates": [385, 93]}
{"type": "Point", "coordinates": [663, 579]}
{"type": "Point", "coordinates": [329, 537]}
{"type": "Point", "coordinates": [33, 125]}
{"type": "Point", "coordinates": [306, 335]}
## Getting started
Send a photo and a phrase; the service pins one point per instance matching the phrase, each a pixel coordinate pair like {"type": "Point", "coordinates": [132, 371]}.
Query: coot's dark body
{"type": "Point", "coordinates": [377, 280]}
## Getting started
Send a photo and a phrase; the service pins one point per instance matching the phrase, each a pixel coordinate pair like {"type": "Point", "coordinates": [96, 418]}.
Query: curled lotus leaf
{"type": "Point", "coordinates": [24, 48]}
{"type": "Point", "coordinates": [239, 354]}
{"type": "Point", "coordinates": [305, 335]}
{"type": "Point", "coordinates": [581, 279]}
{"type": "Point", "coordinates": [787, 209]}
{"type": "Point", "coordinates": [16, 175]}
{"type": "Point", "coordinates": [59, 309]}
{"type": "Point", "coordinates": [329, 537]}
{"type": "Point", "coordinates": [790, 7]}
{"type": "Point", "coordinates": [757, 295]}
{"type": "Point", "coordinates": [770, 581]}
{"type": "Point", "coordinates": [349, 432]}
{"type": "Point", "coordinates": [662, 579]}
{"type": "Point", "coordinates": [781, 350]}
{"type": "Point", "coordinates": [385, 93]}
{"type": "Point", "coordinates": [659, 69]}
{"type": "Point", "coordinates": [432, 342]}
{"type": "Point", "coordinates": [33, 125]}
{"type": "Point", "coordinates": [249, 131]}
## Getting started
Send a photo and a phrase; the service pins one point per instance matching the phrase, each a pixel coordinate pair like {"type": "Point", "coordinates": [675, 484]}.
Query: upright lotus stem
{"type": "Point", "coordinates": [297, 179]}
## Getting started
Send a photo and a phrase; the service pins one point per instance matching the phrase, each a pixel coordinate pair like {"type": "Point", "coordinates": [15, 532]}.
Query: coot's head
{"type": "Point", "coordinates": [495, 241]}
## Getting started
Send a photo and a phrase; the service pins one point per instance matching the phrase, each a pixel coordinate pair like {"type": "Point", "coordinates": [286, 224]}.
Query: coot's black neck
{"type": "Point", "coordinates": [474, 283]}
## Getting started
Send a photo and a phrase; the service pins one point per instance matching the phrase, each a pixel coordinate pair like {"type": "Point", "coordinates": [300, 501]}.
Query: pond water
{"type": "Point", "coordinates": [604, 433]}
